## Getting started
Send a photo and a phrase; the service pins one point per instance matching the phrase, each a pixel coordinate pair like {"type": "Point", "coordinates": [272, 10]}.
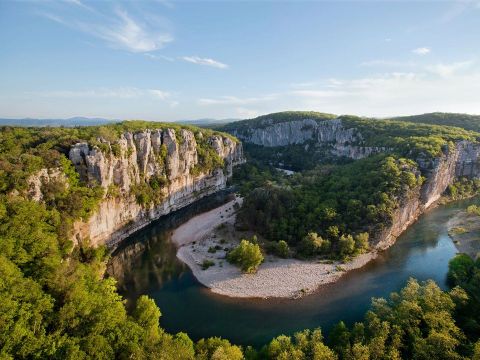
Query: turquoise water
{"type": "Point", "coordinates": [146, 264]}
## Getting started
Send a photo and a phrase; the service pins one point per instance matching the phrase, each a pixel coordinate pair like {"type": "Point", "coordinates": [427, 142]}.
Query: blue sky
{"type": "Point", "coordinates": [162, 60]}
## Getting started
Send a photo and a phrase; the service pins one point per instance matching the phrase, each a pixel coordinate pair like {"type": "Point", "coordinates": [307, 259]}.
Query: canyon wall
{"type": "Point", "coordinates": [462, 160]}
{"type": "Point", "coordinates": [167, 157]}
{"type": "Point", "coordinates": [331, 133]}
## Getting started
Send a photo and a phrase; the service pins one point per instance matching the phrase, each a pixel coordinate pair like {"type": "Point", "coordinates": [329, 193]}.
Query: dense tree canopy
{"type": "Point", "coordinates": [342, 205]}
{"type": "Point", "coordinates": [56, 303]}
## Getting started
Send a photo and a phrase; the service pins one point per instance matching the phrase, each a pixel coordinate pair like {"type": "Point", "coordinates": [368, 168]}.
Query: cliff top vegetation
{"type": "Point", "coordinates": [464, 121]}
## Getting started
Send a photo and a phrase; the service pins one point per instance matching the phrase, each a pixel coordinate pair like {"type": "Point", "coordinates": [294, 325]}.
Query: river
{"type": "Point", "coordinates": [146, 263]}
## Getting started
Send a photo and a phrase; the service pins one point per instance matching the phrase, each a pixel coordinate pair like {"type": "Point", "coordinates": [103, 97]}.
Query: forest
{"type": "Point", "coordinates": [333, 206]}
{"type": "Point", "coordinates": [410, 139]}
{"type": "Point", "coordinates": [465, 121]}
{"type": "Point", "coordinates": [57, 303]}
{"type": "Point", "coordinates": [339, 204]}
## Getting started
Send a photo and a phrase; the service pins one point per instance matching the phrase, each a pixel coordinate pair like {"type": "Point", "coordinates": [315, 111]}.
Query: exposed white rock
{"type": "Point", "coordinates": [340, 140]}
{"type": "Point", "coordinates": [293, 278]}
{"type": "Point", "coordinates": [139, 159]}
{"type": "Point", "coordinates": [440, 172]}
{"type": "Point", "coordinates": [41, 178]}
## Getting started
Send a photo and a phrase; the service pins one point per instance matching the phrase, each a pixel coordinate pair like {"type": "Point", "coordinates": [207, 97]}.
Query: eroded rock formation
{"type": "Point", "coordinates": [341, 141]}
{"type": "Point", "coordinates": [167, 156]}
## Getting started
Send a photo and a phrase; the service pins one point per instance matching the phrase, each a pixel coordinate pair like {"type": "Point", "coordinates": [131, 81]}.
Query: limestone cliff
{"type": "Point", "coordinates": [462, 160]}
{"type": "Point", "coordinates": [168, 157]}
{"type": "Point", "coordinates": [339, 140]}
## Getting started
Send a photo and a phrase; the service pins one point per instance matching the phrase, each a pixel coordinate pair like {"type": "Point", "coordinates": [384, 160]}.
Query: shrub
{"type": "Point", "coordinates": [207, 263]}
{"type": "Point", "coordinates": [361, 242]}
{"type": "Point", "coordinates": [473, 209]}
{"type": "Point", "coordinates": [313, 244]}
{"type": "Point", "coordinates": [282, 249]}
{"type": "Point", "coordinates": [346, 245]}
{"type": "Point", "coordinates": [247, 256]}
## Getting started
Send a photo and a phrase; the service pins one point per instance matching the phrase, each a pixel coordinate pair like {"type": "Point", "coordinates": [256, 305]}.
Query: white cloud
{"type": "Point", "coordinates": [446, 70]}
{"type": "Point", "coordinates": [394, 94]}
{"type": "Point", "coordinates": [115, 93]}
{"type": "Point", "coordinates": [80, 4]}
{"type": "Point", "coordinates": [421, 51]}
{"type": "Point", "coordinates": [159, 57]}
{"type": "Point", "coordinates": [162, 95]}
{"type": "Point", "coordinates": [53, 17]}
{"type": "Point", "coordinates": [205, 61]}
{"type": "Point", "coordinates": [121, 32]}
{"type": "Point", "coordinates": [233, 100]}
{"type": "Point", "coordinates": [458, 8]}
{"type": "Point", "coordinates": [130, 35]}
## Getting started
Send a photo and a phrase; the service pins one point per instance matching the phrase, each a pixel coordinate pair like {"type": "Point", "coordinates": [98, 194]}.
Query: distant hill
{"type": "Point", "coordinates": [275, 118]}
{"type": "Point", "coordinates": [70, 122]}
{"type": "Point", "coordinates": [207, 122]}
{"type": "Point", "coordinates": [465, 121]}
{"type": "Point", "coordinates": [85, 121]}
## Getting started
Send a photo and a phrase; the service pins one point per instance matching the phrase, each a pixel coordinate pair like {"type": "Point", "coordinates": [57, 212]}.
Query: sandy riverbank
{"type": "Point", "coordinates": [210, 235]}
{"type": "Point", "coordinates": [464, 230]}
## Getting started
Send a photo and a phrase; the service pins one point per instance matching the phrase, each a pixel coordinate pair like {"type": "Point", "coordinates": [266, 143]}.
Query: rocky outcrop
{"type": "Point", "coordinates": [339, 140]}
{"type": "Point", "coordinates": [461, 160]}
{"type": "Point", "coordinates": [42, 178]}
{"type": "Point", "coordinates": [168, 157]}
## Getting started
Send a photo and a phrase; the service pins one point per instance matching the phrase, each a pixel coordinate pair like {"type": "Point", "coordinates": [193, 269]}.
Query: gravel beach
{"type": "Point", "coordinates": [276, 277]}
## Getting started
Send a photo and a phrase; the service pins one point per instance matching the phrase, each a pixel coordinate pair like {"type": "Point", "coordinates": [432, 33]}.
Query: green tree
{"type": "Point", "coordinates": [282, 249]}
{"type": "Point", "coordinates": [247, 256]}
{"type": "Point", "coordinates": [312, 244]}
{"type": "Point", "coordinates": [24, 313]}
{"type": "Point", "coordinates": [216, 348]}
{"type": "Point", "coordinates": [339, 339]}
{"type": "Point", "coordinates": [361, 242]}
{"type": "Point", "coordinates": [346, 245]}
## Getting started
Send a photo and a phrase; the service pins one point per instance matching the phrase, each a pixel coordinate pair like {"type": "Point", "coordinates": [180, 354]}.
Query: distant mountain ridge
{"type": "Point", "coordinates": [70, 122]}
{"type": "Point", "coordinates": [465, 121]}
{"type": "Point", "coordinates": [86, 121]}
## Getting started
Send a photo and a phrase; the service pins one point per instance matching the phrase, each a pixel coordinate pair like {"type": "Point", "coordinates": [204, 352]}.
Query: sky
{"type": "Point", "coordinates": [166, 60]}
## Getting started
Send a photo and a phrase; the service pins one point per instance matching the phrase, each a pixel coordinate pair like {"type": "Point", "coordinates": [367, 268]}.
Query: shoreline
{"type": "Point", "coordinates": [275, 278]}
{"type": "Point", "coordinates": [464, 230]}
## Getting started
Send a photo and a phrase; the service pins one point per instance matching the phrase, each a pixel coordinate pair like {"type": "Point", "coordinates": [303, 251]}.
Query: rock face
{"type": "Point", "coordinates": [440, 172]}
{"type": "Point", "coordinates": [341, 141]}
{"type": "Point", "coordinates": [136, 158]}
{"type": "Point", "coordinates": [331, 133]}
{"type": "Point", "coordinates": [42, 178]}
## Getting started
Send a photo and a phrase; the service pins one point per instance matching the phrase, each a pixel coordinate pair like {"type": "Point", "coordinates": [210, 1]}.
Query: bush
{"type": "Point", "coordinates": [312, 244]}
{"type": "Point", "coordinates": [207, 263]}
{"type": "Point", "coordinates": [247, 256]}
{"type": "Point", "coordinates": [473, 209]}
{"type": "Point", "coordinates": [361, 243]}
{"type": "Point", "coordinates": [346, 245]}
{"type": "Point", "coordinates": [281, 249]}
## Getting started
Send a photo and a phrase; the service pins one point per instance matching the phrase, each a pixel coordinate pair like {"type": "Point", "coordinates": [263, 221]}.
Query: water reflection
{"type": "Point", "coordinates": [147, 264]}
{"type": "Point", "coordinates": [147, 259]}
